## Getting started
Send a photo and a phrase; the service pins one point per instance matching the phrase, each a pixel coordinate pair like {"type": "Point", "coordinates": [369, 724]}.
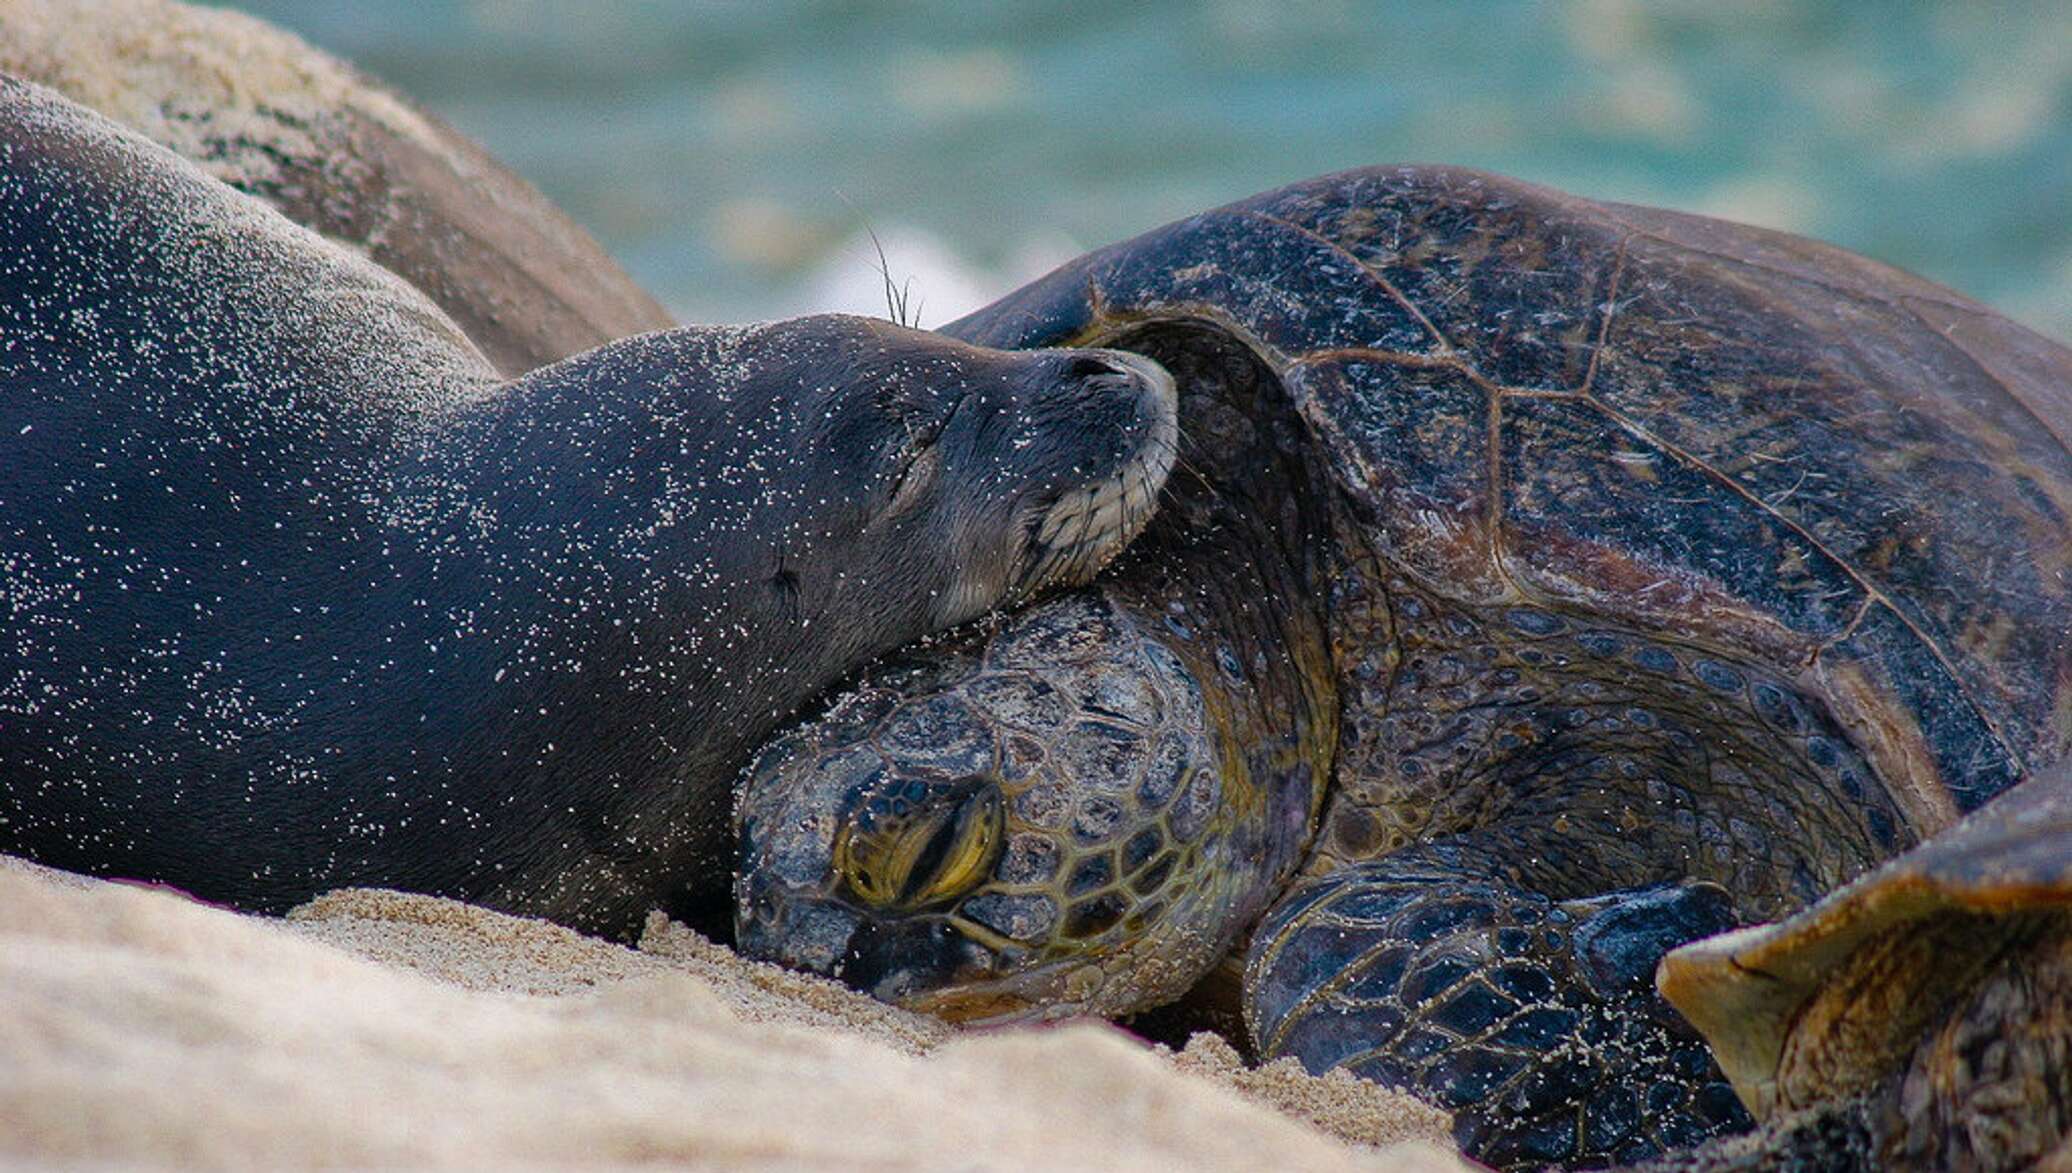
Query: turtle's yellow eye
{"type": "Point", "coordinates": [895, 855]}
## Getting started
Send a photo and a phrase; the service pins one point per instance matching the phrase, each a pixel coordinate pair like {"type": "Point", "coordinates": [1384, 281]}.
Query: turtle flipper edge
{"type": "Point", "coordinates": [1534, 1020]}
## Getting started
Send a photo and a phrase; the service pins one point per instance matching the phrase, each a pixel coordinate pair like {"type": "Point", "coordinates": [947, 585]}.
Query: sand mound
{"type": "Point", "coordinates": [373, 1028]}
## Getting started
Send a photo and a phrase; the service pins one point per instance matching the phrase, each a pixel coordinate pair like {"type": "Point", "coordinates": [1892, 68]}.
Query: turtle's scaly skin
{"type": "Point", "coordinates": [1674, 572]}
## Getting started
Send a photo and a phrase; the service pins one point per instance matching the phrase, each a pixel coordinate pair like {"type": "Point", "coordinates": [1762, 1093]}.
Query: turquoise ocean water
{"type": "Point", "coordinates": [730, 153]}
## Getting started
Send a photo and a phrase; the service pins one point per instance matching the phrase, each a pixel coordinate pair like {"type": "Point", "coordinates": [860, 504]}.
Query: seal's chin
{"type": "Point", "coordinates": [1079, 533]}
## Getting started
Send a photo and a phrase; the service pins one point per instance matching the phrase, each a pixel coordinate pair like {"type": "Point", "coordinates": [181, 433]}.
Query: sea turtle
{"type": "Point", "coordinates": [1546, 583]}
{"type": "Point", "coordinates": [1919, 1017]}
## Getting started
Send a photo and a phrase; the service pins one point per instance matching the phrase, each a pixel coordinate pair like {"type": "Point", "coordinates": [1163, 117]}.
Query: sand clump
{"type": "Point", "coordinates": [1355, 1110]}
{"type": "Point", "coordinates": [374, 1028]}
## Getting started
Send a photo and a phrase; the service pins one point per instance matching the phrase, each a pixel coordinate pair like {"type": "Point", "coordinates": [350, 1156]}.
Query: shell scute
{"type": "Point", "coordinates": [1906, 461]}
{"type": "Point", "coordinates": [1934, 722]}
{"type": "Point", "coordinates": [1511, 275]}
{"type": "Point", "coordinates": [1285, 287]}
{"type": "Point", "coordinates": [1596, 514]}
{"type": "Point", "coordinates": [1410, 447]}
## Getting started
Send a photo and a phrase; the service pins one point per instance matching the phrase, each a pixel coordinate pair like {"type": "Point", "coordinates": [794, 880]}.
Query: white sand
{"type": "Point", "coordinates": [372, 1028]}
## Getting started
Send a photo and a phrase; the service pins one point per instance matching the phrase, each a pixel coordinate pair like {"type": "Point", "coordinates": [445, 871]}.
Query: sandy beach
{"type": "Point", "coordinates": [142, 1029]}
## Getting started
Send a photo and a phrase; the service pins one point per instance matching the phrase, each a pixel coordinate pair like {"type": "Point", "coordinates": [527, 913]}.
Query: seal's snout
{"type": "Point", "coordinates": [1147, 372]}
{"type": "Point", "coordinates": [1078, 529]}
{"type": "Point", "coordinates": [1157, 404]}
{"type": "Point", "coordinates": [1097, 378]}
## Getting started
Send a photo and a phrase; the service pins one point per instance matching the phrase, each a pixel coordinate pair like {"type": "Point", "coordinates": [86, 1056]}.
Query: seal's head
{"type": "Point", "coordinates": [972, 478]}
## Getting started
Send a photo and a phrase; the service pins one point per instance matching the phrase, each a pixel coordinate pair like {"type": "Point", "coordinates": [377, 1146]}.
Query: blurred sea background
{"type": "Point", "coordinates": [731, 154]}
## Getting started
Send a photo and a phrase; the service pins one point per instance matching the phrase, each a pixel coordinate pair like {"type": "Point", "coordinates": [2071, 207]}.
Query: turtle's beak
{"type": "Point", "coordinates": [906, 961]}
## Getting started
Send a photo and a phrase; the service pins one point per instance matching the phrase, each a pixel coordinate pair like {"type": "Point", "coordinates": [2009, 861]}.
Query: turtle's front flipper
{"type": "Point", "coordinates": [1535, 1020]}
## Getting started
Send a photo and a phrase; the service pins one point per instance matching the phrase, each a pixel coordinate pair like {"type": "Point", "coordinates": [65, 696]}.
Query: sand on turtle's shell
{"type": "Point", "coordinates": [373, 1028]}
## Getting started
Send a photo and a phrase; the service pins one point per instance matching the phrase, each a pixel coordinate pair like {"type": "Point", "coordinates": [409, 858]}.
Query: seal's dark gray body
{"type": "Point", "coordinates": [1670, 573]}
{"type": "Point", "coordinates": [300, 593]}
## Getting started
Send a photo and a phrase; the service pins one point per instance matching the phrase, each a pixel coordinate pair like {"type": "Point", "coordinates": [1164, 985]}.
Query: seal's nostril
{"type": "Point", "coordinates": [1102, 373]}
{"type": "Point", "coordinates": [1091, 366]}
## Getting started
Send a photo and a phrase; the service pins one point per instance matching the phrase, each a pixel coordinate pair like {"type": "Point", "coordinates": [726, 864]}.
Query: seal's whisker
{"type": "Point", "coordinates": [1182, 464]}
{"type": "Point", "coordinates": [896, 295]}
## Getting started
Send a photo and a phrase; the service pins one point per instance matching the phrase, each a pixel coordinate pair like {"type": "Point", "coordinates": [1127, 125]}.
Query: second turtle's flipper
{"type": "Point", "coordinates": [1534, 1020]}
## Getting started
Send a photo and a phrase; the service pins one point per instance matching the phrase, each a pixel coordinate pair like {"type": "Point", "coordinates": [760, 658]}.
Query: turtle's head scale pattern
{"type": "Point", "coordinates": [1015, 844]}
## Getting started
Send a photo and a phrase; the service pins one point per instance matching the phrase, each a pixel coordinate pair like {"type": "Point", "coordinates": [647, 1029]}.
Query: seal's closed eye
{"type": "Point", "coordinates": [920, 461]}
{"type": "Point", "coordinates": [913, 480]}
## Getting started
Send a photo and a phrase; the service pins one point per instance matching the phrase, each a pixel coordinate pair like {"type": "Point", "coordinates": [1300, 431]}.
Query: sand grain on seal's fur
{"type": "Point", "coordinates": [373, 1028]}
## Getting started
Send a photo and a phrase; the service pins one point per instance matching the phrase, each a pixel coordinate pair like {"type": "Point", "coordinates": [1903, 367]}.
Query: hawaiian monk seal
{"type": "Point", "coordinates": [299, 593]}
